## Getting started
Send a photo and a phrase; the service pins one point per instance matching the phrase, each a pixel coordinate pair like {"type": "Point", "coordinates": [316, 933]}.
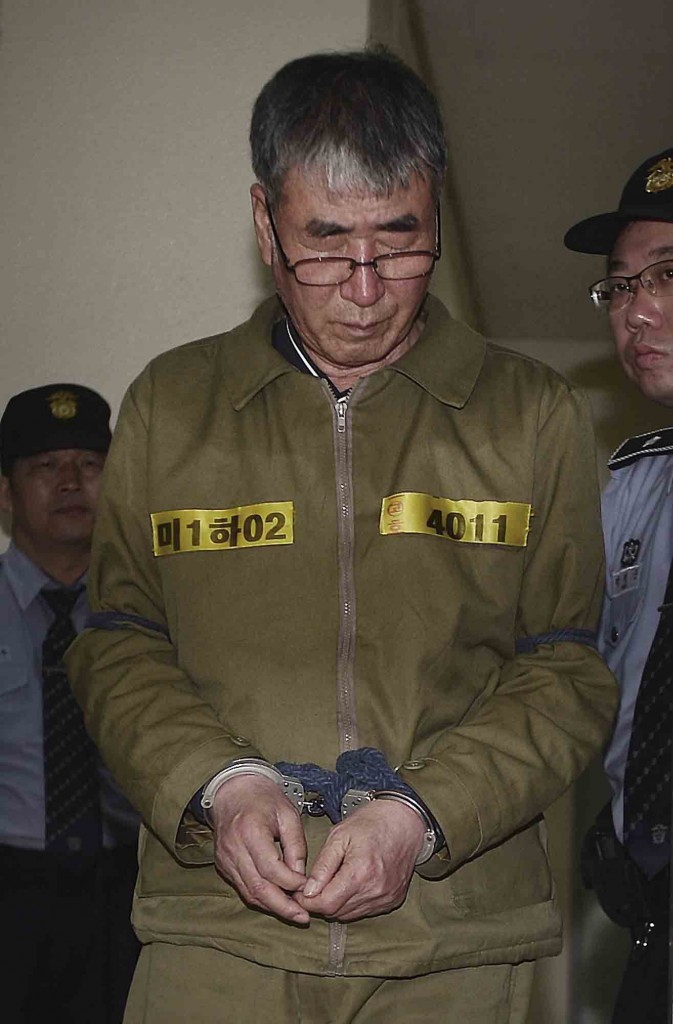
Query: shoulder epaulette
{"type": "Point", "coordinates": [657, 442]}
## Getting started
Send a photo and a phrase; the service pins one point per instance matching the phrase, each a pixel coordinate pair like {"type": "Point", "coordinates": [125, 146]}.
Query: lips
{"type": "Point", "coordinates": [363, 330]}
{"type": "Point", "coordinates": [645, 357]}
{"type": "Point", "coordinates": [72, 510]}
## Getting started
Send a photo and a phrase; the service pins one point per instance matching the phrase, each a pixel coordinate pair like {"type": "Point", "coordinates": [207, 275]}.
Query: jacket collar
{"type": "Point", "coordinates": [445, 361]}
{"type": "Point", "coordinates": [247, 359]}
{"type": "Point", "coordinates": [447, 358]}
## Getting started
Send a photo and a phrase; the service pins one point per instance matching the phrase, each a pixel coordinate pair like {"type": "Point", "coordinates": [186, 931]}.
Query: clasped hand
{"type": "Point", "coordinates": [363, 869]}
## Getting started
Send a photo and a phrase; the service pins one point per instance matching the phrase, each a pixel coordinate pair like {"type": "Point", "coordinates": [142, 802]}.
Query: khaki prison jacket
{"type": "Point", "coordinates": [461, 655]}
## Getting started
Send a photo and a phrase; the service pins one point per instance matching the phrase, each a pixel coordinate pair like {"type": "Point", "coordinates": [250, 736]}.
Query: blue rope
{"type": "Point", "coordinates": [364, 769]}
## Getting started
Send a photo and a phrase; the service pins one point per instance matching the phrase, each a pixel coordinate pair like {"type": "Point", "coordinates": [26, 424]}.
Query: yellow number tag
{"type": "Point", "coordinates": [222, 529]}
{"type": "Point", "coordinates": [470, 522]}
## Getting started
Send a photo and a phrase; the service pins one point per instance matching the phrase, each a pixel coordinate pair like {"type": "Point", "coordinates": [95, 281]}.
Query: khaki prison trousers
{"type": "Point", "coordinates": [176, 984]}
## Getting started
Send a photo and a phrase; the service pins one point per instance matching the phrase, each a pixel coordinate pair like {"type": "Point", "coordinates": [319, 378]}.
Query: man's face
{"type": "Point", "coordinates": [643, 330]}
{"type": "Point", "coordinates": [52, 499]}
{"type": "Point", "coordinates": [364, 320]}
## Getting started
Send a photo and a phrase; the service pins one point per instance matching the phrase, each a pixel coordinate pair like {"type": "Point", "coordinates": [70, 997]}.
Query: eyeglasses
{"type": "Point", "coordinates": [392, 266]}
{"type": "Point", "coordinates": [614, 293]}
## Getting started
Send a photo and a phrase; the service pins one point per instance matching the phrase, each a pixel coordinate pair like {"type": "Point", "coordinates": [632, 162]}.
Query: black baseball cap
{"type": "Point", "coordinates": [51, 418]}
{"type": "Point", "coordinates": [647, 195]}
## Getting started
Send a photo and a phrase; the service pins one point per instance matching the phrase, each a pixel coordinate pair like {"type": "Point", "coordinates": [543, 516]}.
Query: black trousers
{"type": "Point", "coordinates": [68, 947]}
{"type": "Point", "coordinates": [643, 995]}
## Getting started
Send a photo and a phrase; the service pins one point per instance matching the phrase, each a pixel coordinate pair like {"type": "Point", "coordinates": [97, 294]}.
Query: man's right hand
{"type": "Point", "coordinates": [260, 846]}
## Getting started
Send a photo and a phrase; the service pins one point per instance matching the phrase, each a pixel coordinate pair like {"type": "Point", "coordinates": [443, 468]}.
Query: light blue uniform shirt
{"type": "Point", "coordinates": [638, 527]}
{"type": "Point", "coordinates": [24, 621]}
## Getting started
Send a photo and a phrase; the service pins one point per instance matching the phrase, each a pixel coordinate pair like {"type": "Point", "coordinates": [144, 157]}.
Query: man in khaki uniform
{"type": "Point", "coordinates": [348, 563]}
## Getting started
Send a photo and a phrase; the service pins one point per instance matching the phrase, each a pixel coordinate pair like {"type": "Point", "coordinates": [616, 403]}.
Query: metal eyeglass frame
{"type": "Point", "coordinates": [354, 264]}
{"type": "Point", "coordinates": [650, 287]}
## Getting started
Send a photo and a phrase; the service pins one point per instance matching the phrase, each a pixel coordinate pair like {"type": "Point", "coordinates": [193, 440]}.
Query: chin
{"type": "Point", "coordinates": [663, 398]}
{"type": "Point", "coordinates": [74, 534]}
{"type": "Point", "coordinates": [657, 391]}
{"type": "Point", "coordinates": [81, 543]}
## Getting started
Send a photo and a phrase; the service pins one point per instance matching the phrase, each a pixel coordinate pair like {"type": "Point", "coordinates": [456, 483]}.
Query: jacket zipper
{"type": "Point", "coordinates": [345, 695]}
{"type": "Point", "coordinates": [343, 458]}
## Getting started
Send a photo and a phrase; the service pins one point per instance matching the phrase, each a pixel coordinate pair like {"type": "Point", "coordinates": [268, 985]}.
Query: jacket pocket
{"type": "Point", "coordinates": [161, 875]}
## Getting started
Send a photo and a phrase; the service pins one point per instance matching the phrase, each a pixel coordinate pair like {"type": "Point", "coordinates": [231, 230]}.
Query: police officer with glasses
{"type": "Point", "coordinates": [626, 855]}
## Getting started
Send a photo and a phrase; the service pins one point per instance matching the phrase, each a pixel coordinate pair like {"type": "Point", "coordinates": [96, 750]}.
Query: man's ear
{"type": "Point", "coordinates": [260, 215]}
{"type": "Point", "coordinates": [5, 505]}
{"type": "Point", "coordinates": [5, 495]}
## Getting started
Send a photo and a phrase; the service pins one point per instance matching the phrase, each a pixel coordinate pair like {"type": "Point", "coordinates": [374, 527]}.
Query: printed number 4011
{"type": "Point", "coordinates": [455, 526]}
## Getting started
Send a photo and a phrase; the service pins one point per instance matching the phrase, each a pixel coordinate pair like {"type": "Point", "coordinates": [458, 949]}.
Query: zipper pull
{"type": "Point", "coordinates": [341, 406]}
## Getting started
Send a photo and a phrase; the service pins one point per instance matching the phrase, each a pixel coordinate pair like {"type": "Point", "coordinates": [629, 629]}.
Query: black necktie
{"type": "Point", "coordinates": [72, 807]}
{"type": "Point", "coordinates": [647, 780]}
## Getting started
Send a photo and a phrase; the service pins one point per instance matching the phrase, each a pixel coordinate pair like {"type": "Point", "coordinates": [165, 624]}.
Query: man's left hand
{"type": "Point", "coordinates": [366, 863]}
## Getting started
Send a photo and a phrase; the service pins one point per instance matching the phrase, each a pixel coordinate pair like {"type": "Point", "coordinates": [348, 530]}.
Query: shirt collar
{"type": "Point", "coordinates": [25, 578]}
{"type": "Point", "coordinates": [287, 340]}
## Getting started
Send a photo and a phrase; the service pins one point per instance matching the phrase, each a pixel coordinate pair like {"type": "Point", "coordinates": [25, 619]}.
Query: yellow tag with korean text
{"type": "Point", "coordinates": [178, 530]}
{"type": "Point", "coordinates": [469, 522]}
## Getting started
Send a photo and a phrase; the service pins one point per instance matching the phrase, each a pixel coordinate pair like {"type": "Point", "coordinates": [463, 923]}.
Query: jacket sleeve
{"type": "Point", "coordinates": [547, 714]}
{"type": "Point", "coordinates": [157, 735]}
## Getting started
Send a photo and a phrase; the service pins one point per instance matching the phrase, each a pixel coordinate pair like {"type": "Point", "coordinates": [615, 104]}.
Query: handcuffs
{"type": "Point", "coordinates": [314, 805]}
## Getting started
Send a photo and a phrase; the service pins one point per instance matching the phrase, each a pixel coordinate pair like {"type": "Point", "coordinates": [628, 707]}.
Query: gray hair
{"type": "Point", "coordinates": [363, 119]}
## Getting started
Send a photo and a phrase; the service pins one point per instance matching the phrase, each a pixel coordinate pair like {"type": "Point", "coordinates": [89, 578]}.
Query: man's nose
{"type": "Point", "coordinates": [364, 287]}
{"type": "Point", "coordinates": [69, 477]}
{"type": "Point", "coordinates": [643, 308]}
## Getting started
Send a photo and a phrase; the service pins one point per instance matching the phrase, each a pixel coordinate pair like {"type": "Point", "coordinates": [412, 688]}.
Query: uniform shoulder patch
{"type": "Point", "coordinates": [643, 446]}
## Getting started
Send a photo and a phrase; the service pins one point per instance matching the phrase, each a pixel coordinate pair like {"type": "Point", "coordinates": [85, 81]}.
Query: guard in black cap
{"type": "Point", "coordinates": [636, 293]}
{"type": "Point", "coordinates": [53, 442]}
{"type": "Point", "coordinates": [626, 855]}
{"type": "Point", "coordinates": [67, 835]}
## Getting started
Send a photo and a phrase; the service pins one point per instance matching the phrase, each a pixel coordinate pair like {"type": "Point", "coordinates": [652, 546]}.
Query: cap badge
{"type": "Point", "coordinates": [660, 177]}
{"type": "Point", "coordinates": [63, 404]}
